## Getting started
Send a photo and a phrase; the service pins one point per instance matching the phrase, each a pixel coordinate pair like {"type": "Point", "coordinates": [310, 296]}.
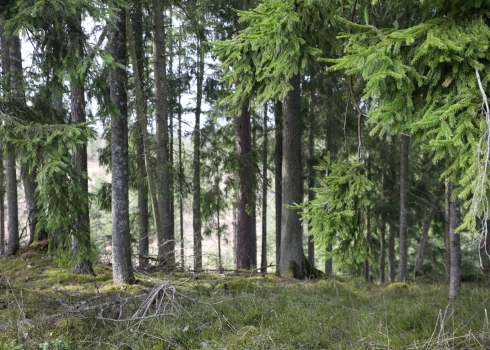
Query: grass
{"type": "Point", "coordinates": [230, 312]}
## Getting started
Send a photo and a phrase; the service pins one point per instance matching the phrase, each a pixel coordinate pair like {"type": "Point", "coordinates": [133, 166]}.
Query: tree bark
{"type": "Point", "coordinates": [403, 263]}
{"type": "Point", "coordinates": [245, 243]}
{"type": "Point", "coordinates": [263, 260]}
{"type": "Point", "coordinates": [455, 276]}
{"type": "Point", "coordinates": [447, 240]}
{"type": "Point", "coordinates": [166, 242]}
{"type": "Point", "coordinates": [121, 236]}
{"type": "Point", "coordinates": [419, 259]}
{"type": "Point", "coordinates": [311, 175]}
{"type": "Point", "coordinates": [278, 175]}
{"type": "Point", "coordinates": [392, 233]}
{"type": "Point", "coordinates": [181, 169]}
{"type": "Point", "coordinates": [292, 257]}
{"type": "Point", "coordinates": [328, 151]}
{"type": "Point", "coordinates": [135, 43]}
{"type": "Point", "coordinates": [382, 229]}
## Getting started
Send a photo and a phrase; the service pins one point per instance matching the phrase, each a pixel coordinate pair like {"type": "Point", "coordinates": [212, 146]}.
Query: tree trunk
{"type": "Point", "coordinates": [278, 176]}
{"type": "Point", "coordinates": [391, 252]}
{"type": "Point", "coordinates": [5, 64]}
{"type": "Point", "coordinates": [447, 240]}
{"type": "Point", "coordinates": [367, 267]}
{"type": "Point", "coordinates": [81, 241]}
{"type": "Point", "coordinates": [121, 236]}
{"type": "Point", "coordinates": [403, 263]}
{"type": "Point", "coordinates": [181, 170]}
{"type": "Point", "coordinates": [196, 207]}
{"type": "Point", "coordinates": [135, 44]}
{"type": "Point", "coordinates": [382, 253]}
{"type": "Point", "coordinates": [455, 276]}
{"type": "Point", "coordinates": [263, 260]}
{"type": "Point", "coordinates": [419, 259]}
{"type": "Point", "coordinates": [253, 197]}
{"type": "Point", "coordinates": [329, 150]}
{"type": "Point", "coordinates": [292, 257]}
{"type": "Point", "coordinates": [245, 252]}
{"type": "Point", "coordinates": [311, 176]}
{"type": "Point", "coordinates": [166, 243]}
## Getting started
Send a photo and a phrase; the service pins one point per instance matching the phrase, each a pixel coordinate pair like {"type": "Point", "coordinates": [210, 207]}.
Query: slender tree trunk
{"type": "Point", "coordinates": [196, 207]}
{"type": "Point", "coordinates": [166, 243]}
{"type": "Point", "coordinates": [292, 259]}
{"type": "Point", "coordinates": [447, 240]}
{"type": "Point", "coordinates": [263, 260]}
{"type": "Point", "coordinates": [135, 44]}
{"type": "Point", "coordinates": [382, 253]}
{"type": "Point", "coordinates": [455, 276]}
{"type": "Point", "coordinates": [391, 252]}
{"type": "Point", "coordinates": [181, 169]}
{"type": "Point", "coordinates": [278, 176]}
{"type": "Point", "coordinates": [81, 241]}
{"type": "Point", "coordinates": [17, 94]}
{"type": "Point", "coordinates": [220, 264]}
{"type": "Point", "coordinates": [329, 150]}
{"type": "Point", "coordinates": [121, 236]}
{"type": "Point", "coordinates": [311, 175]}
{"type": "Point", "coordinates": [367, 267]}
{"type": "Point", "coordinates": [245, 252]}
{"type": "Point", "coordinates": [419, 259]}
{"type": "Point", "coordinates": [253, 199]}
{"type": "Point", "coordinates": [403, 263]}
{"type": "Point", "coordinates": [5, 64]}
{"type": "Point", "coordinates": [28, 180]}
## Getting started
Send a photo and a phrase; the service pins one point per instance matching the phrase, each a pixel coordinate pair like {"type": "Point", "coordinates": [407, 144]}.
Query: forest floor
{"type": "Point", "coordinates": [45, 307]}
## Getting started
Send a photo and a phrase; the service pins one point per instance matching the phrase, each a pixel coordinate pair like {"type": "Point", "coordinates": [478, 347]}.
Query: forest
{"type": "Point", "coordinates": [256, 174]}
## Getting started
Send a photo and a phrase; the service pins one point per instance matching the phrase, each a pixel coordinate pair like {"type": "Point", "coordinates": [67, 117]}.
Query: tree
{"type": "Point", "coordinates": [403, 263]}
{"type": "Point", "coordinates": [121, 237]}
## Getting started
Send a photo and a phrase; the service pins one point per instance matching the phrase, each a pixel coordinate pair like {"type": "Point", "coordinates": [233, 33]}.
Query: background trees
{"type": "Point", "coordinates": [391, 109]}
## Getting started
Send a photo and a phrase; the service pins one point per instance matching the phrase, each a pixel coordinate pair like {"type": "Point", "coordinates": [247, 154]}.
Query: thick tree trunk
{"type": "Point", "coordinates": [244, 251]}
{"type": "Point", "coordinates": [447, 240]}
{"type": "Point", "coordinates": [263, 260]}
{"type": "Point", "coordinates": [455, 276]}
{"type": "Point", "coordinates": [28, 180]}
{"type": "Point", "coordinates": [166, 243]}
{"type": "Point", "coordinates": [278, 176]}
{"type": "Point", "coordinates": [419, 259]}
{"type": "Point", "coordinates": [403, 263]}
{"type": "Point", "coordinates": [135, 44]}
{"type": "Point", "coordinates": [292, 257]}
{"type": "Point", "coordinates": [81, 241]}
{"type": "Point", "coordinates": [121, 237]}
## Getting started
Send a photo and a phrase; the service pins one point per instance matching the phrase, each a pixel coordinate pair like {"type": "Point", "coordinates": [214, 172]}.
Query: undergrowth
{"type": "Point", "coordinates": [43, 307]}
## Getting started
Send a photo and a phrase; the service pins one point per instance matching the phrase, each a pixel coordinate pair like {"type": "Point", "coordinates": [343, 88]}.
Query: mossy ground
{"type": "Point", "coordinates": [233, 312]}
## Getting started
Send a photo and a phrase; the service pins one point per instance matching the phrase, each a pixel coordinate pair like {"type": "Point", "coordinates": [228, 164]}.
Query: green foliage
{"type": "Point", "coordinates": [336, 215]}
{"type": "Point", "coordinates": [49, 150]}
{"type": "Point", "coordinates": [59, 343]}
{"type": "Point", "coordinates": [275, 46]}
{"type": "Point", "coordinates": [422, 80]}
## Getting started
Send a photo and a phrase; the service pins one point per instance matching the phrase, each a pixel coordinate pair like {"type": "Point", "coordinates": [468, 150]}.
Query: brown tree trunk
{"type": "Point", "coordinates": [311, 175]}
{"type": "Point", "coordinates": [292, 259]}
{"type": "Point", "coordinates": [455, 276]}
{"type": "Point", "coordinates": [382, 229]}
{"type": "Point", "coordinates": [278, 176]}
{"type": "Point", "coordinates": [166, 242]}
{"type": "Point", "coordinates": [329, 150]}
{"type": "Point", "coordinates": [403, 263]}
{"type": "Point", "coordinates": [121, 236]}
{"type": "Point", "coordinates": [419, 259]}
{"type": "Point", "coordinates": [245, 243]}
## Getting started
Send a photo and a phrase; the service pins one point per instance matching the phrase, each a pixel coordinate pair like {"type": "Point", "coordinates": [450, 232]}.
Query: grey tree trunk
{"type": "Point", "coordinates": [292, 259]}
{"type": "Point", "coordinates": [135, 42]}
{"type": "Point", "coordinates": [382, 230]}
{"type": "Point", "coordinates": [403, 263]}
{"type": "Point", "coordinates": [136, 49]}
{"type": "Point", "coordinates": [81, 241]}
{"type": "Point", "coordinates": [447, 240]}
{"type": "Point", "coordinates": [278, 176]}
{"type": "Point", "coordinates": [391, 253]}
{"type": "Point", "coordinates": [121, 237]}
{"type": "Point", "coordinates": [263, 260]}
{"type": "Point", "coordinates": [181, 173]}
{"type": "Point", "coordinates": [166, 243]}
{"type": "Point", "coordinates": [419, 259]}
{"type": "Point", "coordinates": [311, 175]}
{"type": "Point", "coordinates": [245, 243]}
{"type": "Point", "coordinates": [367, 267]}
{"type": "Point", "coordinates": [455, 276]}
{"type": "Point", "coordinates": [5, 60]}
{"type": "Point", "coordinates": [196, 205]}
